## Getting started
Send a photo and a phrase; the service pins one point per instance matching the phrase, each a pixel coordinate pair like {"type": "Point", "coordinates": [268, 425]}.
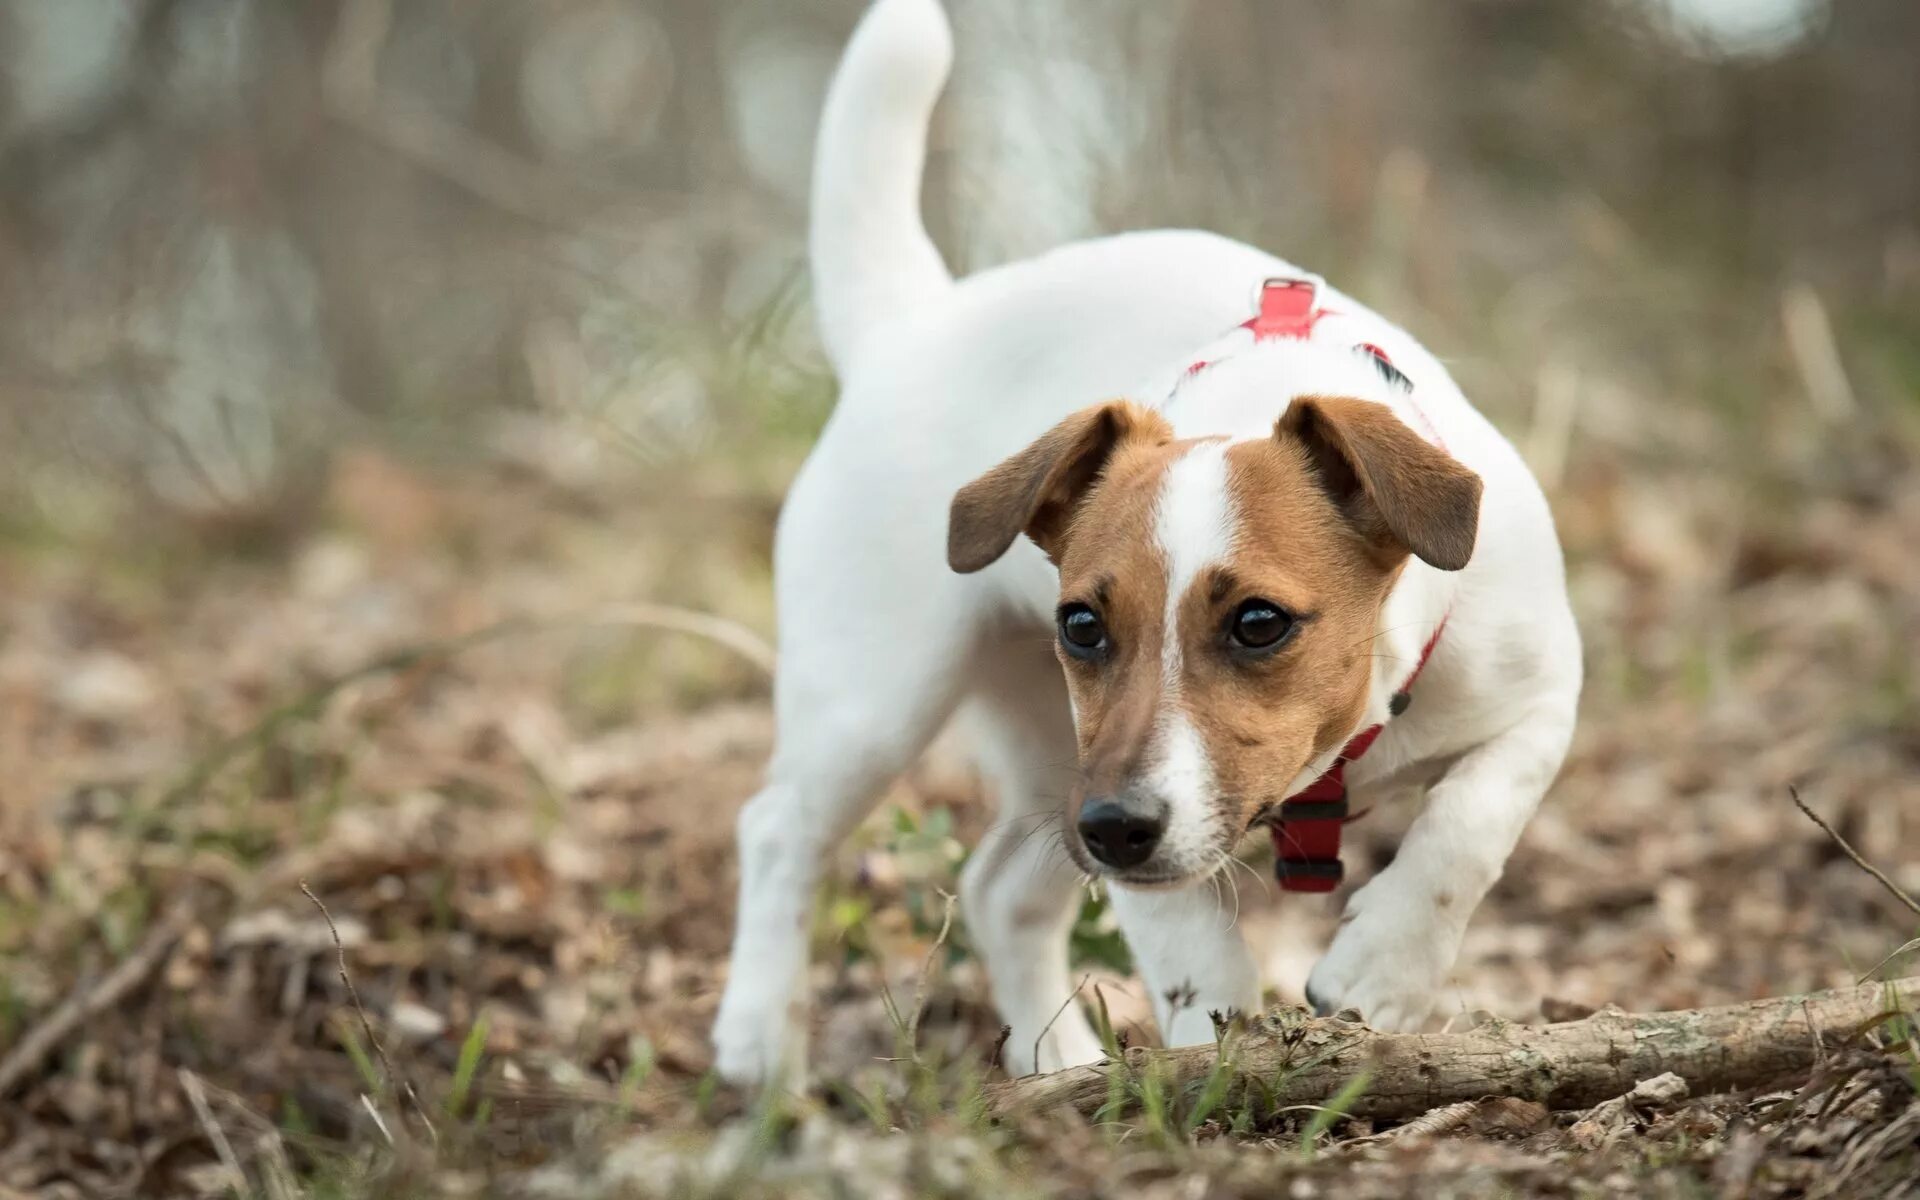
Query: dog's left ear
{"type": "Point", "coordinates": [1036, 490]}
{"type": "Point", "coordinates": [1392, 483]}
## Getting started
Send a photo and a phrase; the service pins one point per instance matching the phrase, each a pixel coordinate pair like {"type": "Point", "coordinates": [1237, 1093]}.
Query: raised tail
{"type": "Point", "coordinates": [872, 258]}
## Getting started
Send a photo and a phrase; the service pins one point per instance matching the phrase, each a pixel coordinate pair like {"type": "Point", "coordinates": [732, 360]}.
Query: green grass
{"type": "Point", "coordinates": [348, 1035]}
{"type": "Point", "coordinates": [1326, 1116]}
{"type": "Point", "coordinates": [466, 1067]}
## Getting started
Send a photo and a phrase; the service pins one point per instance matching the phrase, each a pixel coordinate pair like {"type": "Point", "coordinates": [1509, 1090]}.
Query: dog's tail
{"type": "Point", "coordinates": [872, 258]}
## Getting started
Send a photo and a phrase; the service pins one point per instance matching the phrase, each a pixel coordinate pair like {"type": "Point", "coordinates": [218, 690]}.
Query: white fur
{"type": "Point", "coordinates": [880, 642]}
{"type": "Point", "coordinates": [1194, 526]}
{"type": "Point", "coordinates": [1181, 775]}
{"type": "Point", "coordinates": [1192, 958]}
{"type": "Point", "coordinates": [872, 258]}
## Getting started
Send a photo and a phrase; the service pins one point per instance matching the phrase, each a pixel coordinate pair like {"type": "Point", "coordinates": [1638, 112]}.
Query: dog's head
{"type": "Point", "coordinates": [1217, 601]}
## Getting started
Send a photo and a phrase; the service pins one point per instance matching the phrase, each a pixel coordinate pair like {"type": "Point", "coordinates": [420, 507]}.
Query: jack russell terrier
{"type": "Point", "coordinates": [1227, 585]}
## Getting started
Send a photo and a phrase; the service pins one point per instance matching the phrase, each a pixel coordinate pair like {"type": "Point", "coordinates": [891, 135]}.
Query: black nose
{"type": "Point", "coordinates": [1118, 835]}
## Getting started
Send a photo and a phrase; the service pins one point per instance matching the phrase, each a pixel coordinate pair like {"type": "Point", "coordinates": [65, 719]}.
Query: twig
{"type": "Point", "coordinates": [1898, 951]}
{"type": "Point", "coordinates": [719, 630]}
{"type": "Point", "coordinates": [394, 1078]}
{"type": "Point", "coordinates": [1442, 1120]}
{"type": "Point", "coordinates": [1899, 893]}
{"type": "Point", "coordinates": [203, 1112]}
{"type": "Point", "coordinates": [270, 1151]}
{"type": "Point", "coordinates": [1819, 1046]}
{"type": "Point", "coordinates": [1048, 1027]}
{"type": "Point", "coordinates": [920, 987]}
{"type": "Point", "coordinates": [82, 1006]}
{"type": "Point", "coordinates": [379, 1122]}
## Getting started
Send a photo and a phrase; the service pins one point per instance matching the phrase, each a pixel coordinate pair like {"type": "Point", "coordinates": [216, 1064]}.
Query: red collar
{"type": "Point", "coordinates": [1306, 833]}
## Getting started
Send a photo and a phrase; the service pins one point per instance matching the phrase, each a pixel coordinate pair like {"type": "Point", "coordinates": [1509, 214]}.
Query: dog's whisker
{"type": "Point", "coordinates": [1027, 837]}
{"type": "Point", "coordinates": [1384, 632]}
{"type": "Point", "coordinates": [1004, 822]}
{"type": "Point", "coordinates": [1259, 880]}
{"type": "Point", "coordinates": [1232, 884]}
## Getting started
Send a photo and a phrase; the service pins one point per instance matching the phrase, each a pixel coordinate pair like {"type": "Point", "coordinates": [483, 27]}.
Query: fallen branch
{"type": "Point", "coordinates": [1299, 1059]}
{"type": "Point", "coordinates": [84, 1005]}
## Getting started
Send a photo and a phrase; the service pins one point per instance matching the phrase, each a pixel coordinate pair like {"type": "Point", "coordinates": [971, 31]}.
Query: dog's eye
{"type": "Point", "coordinates": [1081, 630]}
{"type": "Point", "coordinates": [1259, 625]}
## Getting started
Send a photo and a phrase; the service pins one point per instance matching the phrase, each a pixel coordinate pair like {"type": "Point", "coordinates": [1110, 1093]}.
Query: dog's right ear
{"type": "Point", "coordinates": [1034, 492]}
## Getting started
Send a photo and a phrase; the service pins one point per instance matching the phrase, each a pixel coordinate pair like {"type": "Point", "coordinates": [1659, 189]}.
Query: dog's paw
{"type": "Point", "coordinates": [1389, 961]}
{"type": "Point", "coordinates": [754, 1045]}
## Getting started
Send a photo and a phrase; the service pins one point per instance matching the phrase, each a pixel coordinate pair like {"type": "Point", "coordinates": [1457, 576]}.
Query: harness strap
{"type": "Point", "coordinates": [1306, 833]}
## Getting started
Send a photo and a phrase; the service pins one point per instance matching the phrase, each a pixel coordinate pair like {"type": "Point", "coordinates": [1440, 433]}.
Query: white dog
{"type": "Point", "coordinates": [1240, 566]}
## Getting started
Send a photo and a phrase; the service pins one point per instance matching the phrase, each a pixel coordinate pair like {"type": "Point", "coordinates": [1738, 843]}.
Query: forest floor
{"type": "Point", "coordinates": [513, 797]}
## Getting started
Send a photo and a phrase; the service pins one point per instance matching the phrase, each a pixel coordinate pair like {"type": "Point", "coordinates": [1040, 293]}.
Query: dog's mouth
{"type": "Point", "coordinates": [1141, 882]}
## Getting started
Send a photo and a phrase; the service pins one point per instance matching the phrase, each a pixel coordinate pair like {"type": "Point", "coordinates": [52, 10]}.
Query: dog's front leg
{"type": "Point", "coordinates": [1401, 932]}
{"type": "Point", "coordinates": [1189, 951]}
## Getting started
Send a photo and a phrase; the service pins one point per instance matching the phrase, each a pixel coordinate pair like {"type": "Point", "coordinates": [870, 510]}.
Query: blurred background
{"type": "Point", "coordinates": [396, 398]}
{"type": "Point", "coordinates": [239, 238]}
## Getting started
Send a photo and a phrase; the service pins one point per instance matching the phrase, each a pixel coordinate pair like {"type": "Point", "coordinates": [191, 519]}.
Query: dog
{"type": "Point", "coordinates": [1173, 526]}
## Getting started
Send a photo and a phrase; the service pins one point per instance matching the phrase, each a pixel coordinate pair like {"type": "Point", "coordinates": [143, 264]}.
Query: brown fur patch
{"type": "Point", "coordinates": [1037, 490]}
{"type": "Point", "coordinates": [1394, 485]}
{"type": "Point", "coordinates": [1325, 513]}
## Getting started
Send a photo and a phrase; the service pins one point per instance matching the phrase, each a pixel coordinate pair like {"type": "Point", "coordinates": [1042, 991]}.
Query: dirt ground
{"type": "Point", "coordinates": [513, 797]}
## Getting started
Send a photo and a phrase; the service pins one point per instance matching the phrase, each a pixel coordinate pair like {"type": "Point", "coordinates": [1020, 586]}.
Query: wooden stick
{"type": "Point", "coordinates": [216, 1136]}
{"type": "Point", "coordinates": [1304, 1060]}
{"type": "Point", "coordinates": [395, 1080]}
{"type": "Point", "coordinates": [1899, 893]}
{"type": "Point", "coordinates": [81, 1007]}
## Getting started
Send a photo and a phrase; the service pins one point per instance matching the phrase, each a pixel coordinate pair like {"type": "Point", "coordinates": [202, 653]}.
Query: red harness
{"type": "Point", "coordinates": [1306, 833]}
{"type": "Point", "coordinates": [1286, 310]}
{"type": "Point", "coordinates": [1306, 830]}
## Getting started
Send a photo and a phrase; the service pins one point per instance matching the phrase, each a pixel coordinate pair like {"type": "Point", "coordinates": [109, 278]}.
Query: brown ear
{"type": "Point", "coordinates": [1388, 477]}
{"type": "Point", "coordinates": [1034, 491]}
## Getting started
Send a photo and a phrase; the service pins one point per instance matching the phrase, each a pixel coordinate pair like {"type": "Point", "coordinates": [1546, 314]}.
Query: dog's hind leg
{"type": "Point", "coordinates": [1020, 891]}
{"type": "Point", "coordinates": [856, 700]}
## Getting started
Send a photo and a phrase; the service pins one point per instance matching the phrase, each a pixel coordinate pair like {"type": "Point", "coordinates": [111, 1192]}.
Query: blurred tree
{"type": "Point", "coordinates": [232, 233]}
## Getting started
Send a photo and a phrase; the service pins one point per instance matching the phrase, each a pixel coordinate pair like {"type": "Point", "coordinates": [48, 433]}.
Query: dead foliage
{"type": "Point", "coordinates": [521, 836]}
